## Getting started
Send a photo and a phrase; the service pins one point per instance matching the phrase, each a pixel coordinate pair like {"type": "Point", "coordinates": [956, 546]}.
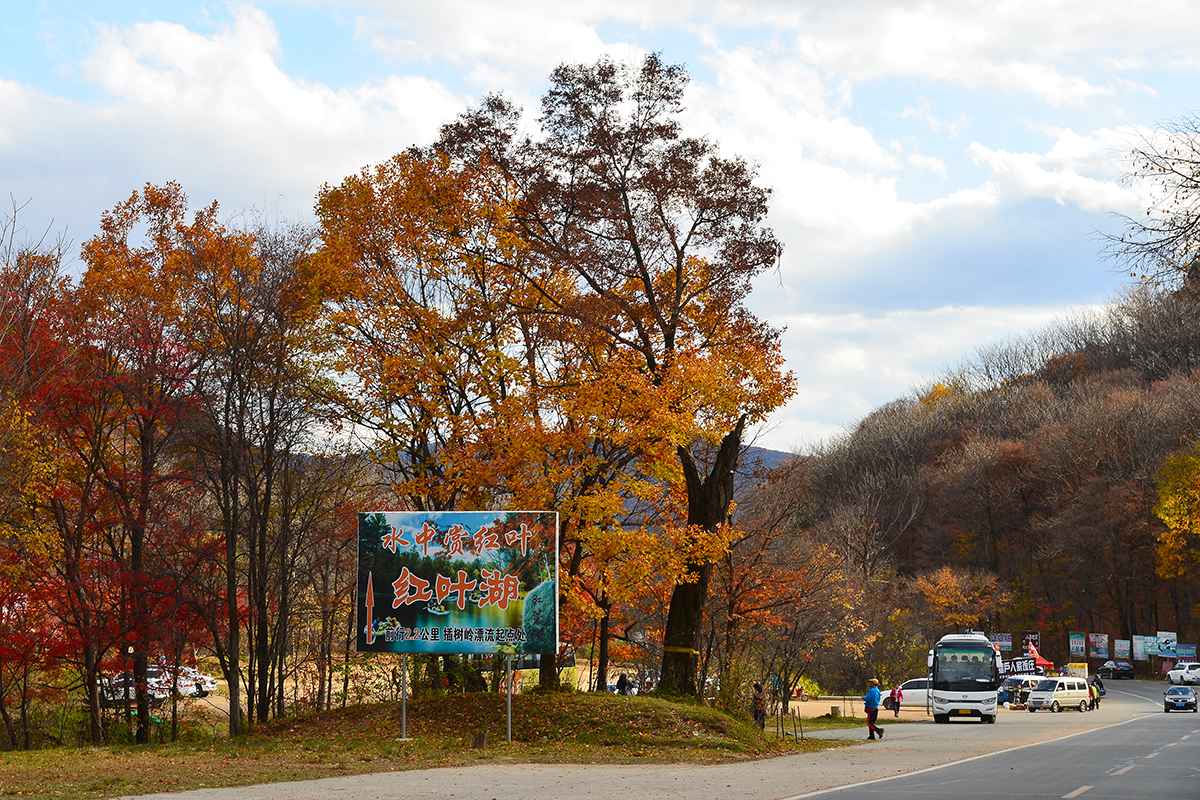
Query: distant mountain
{"type": "Point", "coordinates": [759, 458]}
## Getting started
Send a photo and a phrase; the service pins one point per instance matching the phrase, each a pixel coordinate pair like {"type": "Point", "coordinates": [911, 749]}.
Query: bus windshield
{"type": "Point", "coordinates": [964, 668]}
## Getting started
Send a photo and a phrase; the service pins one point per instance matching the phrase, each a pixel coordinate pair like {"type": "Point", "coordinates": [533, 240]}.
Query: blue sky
{"type": "Point", "coordinates": [941, 169]}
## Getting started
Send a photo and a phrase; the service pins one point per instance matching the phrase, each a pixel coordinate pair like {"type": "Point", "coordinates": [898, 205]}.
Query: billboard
{"type": "Point", "coordinates": [1186, 652]}
{"type": "Point", "coordinates": [1097, 645]}
{"type": "Point", "coordinates": [1078, 641]}
{"type": "Point", "coordinates": [1144, 647]}
{"type": "Point", "coordinates": [1166, 644]}
{"type": "Point", "coordinates": [457, 582]}
{"type": "Point", "coordinates": [1003, 641]}
{"type": "Point", "coordinates": [1121, 648]}
{"type": "Point", "coordinates": [1031, 638]}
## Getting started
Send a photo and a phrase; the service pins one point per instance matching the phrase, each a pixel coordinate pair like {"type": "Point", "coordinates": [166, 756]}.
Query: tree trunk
{"type": "Point", "coordinates": [548, 671]}
{"type": "Point", "coordinates": [708, 506]}
{"type": "Point", "coordinates": [602, 656]}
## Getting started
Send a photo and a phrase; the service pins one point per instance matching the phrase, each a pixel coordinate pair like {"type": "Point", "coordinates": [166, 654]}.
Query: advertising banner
{"type": "Point", "coordinates": [1003, 641]}
{"type": "Point", "coordinates": [1166, 644]}
{"type": "Point", "coordinates": [1078, 670]}
{"type": "Point", "coordinates": [1018, 666]}
{"type": "Point", "coordinates": [1142, 648]}
{"type": "Point", "coordinates": [1078, 642]}
{"type": "Point", "coordinates": [1121, 649]}
{"type": "Point", "coordinates": [1028, 638]}
{"type": "Point", "coordinates": [1186, 652]}
{"type": "Point", "coordinates": [458, 582]}
{"type": "Point", "coordinates": [1097, 645]}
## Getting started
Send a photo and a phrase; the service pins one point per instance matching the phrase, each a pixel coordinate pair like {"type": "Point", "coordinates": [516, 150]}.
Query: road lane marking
{"type": "Point", "coordinates": [1152, 755]}
{"type": "Point", "coordinates": [1077, 792]}
{"type": "Point", "coordinates": [1172, 744]}
{"type": "Point", "coordinates": [1185, 737]}
{"type": "Point", "coordinates": [1123, 770]}
{"type": "Point", "coordinates": [831, 789]}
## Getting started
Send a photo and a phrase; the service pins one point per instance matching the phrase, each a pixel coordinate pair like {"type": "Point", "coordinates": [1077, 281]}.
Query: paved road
{"type": "Point", "coordinates": [1151, 755]}
{"type": "Point", "coordinates": [1130, 717]}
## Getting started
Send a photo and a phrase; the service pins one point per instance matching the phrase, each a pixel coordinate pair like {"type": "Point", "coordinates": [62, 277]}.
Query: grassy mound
{"type": "Point", "coordinates": [547, 727]}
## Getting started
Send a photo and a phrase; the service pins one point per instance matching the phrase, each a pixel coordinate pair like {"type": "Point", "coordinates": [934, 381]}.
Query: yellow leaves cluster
{"type": "Point", "coordinates": [1178, 507]}
{"type": "Point", "coordinates": [956, 599]}
{"type": "Point", "coordinates": [26, 481]}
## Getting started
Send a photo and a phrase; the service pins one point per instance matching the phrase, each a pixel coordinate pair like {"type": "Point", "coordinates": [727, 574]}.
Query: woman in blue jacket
{"type": "Point", "coordinates": [871, 701]}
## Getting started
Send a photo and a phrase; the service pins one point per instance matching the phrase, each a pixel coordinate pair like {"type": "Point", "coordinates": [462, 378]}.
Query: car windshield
{"type": "Point", "coordinates": [1047, 685]}
{"type": "Point", "coordinates": [1182, 690]}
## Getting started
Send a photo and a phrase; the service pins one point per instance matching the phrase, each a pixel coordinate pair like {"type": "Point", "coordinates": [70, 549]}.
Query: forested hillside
{"type": "Point", "coordinates": [1034, 473]}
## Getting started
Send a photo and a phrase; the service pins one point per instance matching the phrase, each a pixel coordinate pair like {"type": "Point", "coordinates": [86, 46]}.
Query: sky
{"type": "Point", "coordinates": [943, 172]}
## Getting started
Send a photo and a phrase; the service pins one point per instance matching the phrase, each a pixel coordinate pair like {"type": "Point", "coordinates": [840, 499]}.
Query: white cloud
{"type": "Point", "coordinates": [923, 112]}
{"type": "Point", "coordinates": [1083, 170]}
{"type": "Point", "coordinates": [214, 112]}
{"type": "Point", "coordinates": [850, 364]}
{"type": "Point", "coordinates": [927, 163]}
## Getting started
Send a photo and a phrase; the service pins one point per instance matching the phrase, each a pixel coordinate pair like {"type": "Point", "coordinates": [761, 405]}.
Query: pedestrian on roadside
{"type": "Point", "coordinates": [897, 699]}
{"type": "Point", "coordinates": [871, 703]}
{"type": "Point", "coordinates": [623, 684]}
{"type": "Point", "coordinates": [758, 705]}
{"type": "Point", "coordinates": [1092, 693]}
{"type": "Point", "coordinates": [1098, 685]}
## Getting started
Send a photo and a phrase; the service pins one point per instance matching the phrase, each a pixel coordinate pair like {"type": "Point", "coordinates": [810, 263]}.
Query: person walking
{"type": "Point", "coordinates": [758, 705]}
{"type": "Point", "coordinates": [1092, 694]}
{"type": "Point", "coordinates": [897, 699]}
{"type": "Point", "coordinates": [871, 703]}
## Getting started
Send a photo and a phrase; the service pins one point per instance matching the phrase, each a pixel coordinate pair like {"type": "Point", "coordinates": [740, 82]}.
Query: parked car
{"type": "Point", "coordinates": [1184, 672]}
{"type": "Point", "coordinates": [118, 688]}
{"type": "Point", "coordinates": [204, 684]}
{"type": "Point", "coordinates": [1116, 669]}
{"type": "Point", "coordinates": [1179, 698]}
{"type": "Point", "coordinates": [916, 692]}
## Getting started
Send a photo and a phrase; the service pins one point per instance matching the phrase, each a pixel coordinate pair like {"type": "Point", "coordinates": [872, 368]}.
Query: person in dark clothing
{"type": "Point", "coordinates": [758, 705]}
{"type": "Point", "coordinates": [623, 684]}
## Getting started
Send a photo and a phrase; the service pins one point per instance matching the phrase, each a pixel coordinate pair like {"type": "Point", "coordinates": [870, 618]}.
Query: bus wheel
{"type": "Point", "coordinates": [990, 720]}
{"type": "Point", "coordinates": [940, 718]}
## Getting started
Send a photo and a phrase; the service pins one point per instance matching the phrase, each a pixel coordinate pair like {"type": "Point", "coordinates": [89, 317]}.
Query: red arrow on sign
{"type": "Point", "coordinates": [370, 608]}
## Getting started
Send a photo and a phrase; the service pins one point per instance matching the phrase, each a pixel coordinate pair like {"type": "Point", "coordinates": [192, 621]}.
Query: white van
{"type": "Point", "coordinates": [1059, 693]}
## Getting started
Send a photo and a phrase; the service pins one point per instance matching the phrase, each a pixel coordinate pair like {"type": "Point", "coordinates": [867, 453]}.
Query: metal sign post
{"type": "Point", "coordinates": [508, 665]}
{"type": "Point", "coordinates": [404, 695]}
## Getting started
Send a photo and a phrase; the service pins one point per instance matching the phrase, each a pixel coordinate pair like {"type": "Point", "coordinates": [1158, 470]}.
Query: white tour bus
{"type": "Point", "coordinates": [964, 672]}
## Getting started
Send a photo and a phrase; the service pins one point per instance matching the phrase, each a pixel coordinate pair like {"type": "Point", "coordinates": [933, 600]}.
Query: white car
{"type": "Point", "coordinates": [916, 692]}
{"type": "Point", "coordinates": [203, 684]}
{"type": "Point", "coordinates": [1184, 672]}
{"type": "Point", "coordinates": [121, 687]}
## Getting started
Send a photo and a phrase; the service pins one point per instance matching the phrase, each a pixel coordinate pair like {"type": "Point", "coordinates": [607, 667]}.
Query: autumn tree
{"type": "Point", "coordinates": [33, 354]}
{"type": "Point", "coordinates": [129, 308]}
{"type": "Point", "coordinates": [469, 397]}
{"type": "Point", "coordinates": [253, 303]}
{"type": "Point", "coordinates": [778, 593]}
{"type": "Point", "coordinates": [649, 239]}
